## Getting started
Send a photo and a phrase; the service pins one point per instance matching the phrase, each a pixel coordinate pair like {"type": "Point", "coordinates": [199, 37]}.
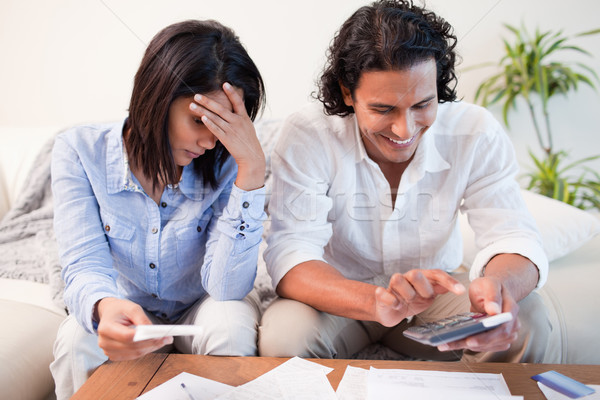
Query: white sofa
{"type": "Point", "coordinates": [30, 318]}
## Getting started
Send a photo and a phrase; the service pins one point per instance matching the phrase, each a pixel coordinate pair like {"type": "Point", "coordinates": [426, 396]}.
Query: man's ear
{"type": "Point", "coordinates": [347, 95]}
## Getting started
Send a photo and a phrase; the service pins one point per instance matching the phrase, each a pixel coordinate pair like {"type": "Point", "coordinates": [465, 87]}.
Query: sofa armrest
{"type": "Point", "coordinates": [571, 296]}
{"type": "Point", "coordinates": [26, 341]}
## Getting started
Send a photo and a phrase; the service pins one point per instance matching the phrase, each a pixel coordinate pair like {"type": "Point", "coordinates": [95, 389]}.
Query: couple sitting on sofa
{"type": "Point", "coordinates": [159, 218]}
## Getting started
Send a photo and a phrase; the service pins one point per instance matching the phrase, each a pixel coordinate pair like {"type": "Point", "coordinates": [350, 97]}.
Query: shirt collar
{"type": "Point", "coordinates": [361, 151]}
{"type": "Point", "coordinates": [119, 177]}
{"type": "Point", "coordinates": [116, 161]}
{"type": "Point", "coordinates": [190, 184]}
{"type": "Point", "coordinates": [427, 157]}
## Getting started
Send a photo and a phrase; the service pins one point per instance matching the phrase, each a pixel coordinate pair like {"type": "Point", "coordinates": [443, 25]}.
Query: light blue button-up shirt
{"type": "Point", "coordinates": [115, 241]}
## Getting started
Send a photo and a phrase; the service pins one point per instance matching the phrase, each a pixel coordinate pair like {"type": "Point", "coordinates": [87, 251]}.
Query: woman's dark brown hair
{"type": "Point", "coordinates": [183, 59]}
{"type": "Point", "coordinates": [387, 35]}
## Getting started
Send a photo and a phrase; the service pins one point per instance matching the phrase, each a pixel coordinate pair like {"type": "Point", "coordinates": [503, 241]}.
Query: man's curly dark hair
{"type": "Point", "coordinates": [387, 35]}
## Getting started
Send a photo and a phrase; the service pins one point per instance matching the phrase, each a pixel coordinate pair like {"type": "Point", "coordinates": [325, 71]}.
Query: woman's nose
{"type": "Point", "coordinates": [208, 142]}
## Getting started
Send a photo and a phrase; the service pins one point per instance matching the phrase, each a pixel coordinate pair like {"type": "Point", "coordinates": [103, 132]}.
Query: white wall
{"type": "Point", "coordinates": [71, 61]}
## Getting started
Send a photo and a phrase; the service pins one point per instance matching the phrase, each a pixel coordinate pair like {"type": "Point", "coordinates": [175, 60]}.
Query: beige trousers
{"type": "Point", "coordinates": [291, 328]}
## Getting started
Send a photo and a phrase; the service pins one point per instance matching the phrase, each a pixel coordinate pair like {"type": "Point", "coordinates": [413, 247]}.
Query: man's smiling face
{"type": "Point", "coordinates": [394, 109]}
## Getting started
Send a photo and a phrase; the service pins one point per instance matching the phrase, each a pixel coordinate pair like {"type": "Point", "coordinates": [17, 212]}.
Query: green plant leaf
{"type": "Point", "coordinates": [579, 162]}
{"type": "Point", "coordinates": [508, 104]}
{"type": "Point", "coordinates": [588, 33]}
{"type": "Point", "coordinates": [577, 49]}
{"type": "Point", "coordinates": [554, 46]}
{"type": "Point", "coordinates": [588, 69]}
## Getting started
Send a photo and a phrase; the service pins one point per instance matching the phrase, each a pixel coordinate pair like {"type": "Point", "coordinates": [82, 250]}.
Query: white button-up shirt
{"type": "Point", "coordinates": [331, 202]}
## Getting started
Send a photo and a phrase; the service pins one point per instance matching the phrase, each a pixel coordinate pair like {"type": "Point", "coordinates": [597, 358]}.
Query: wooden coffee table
{"type": "Point", "coordinates": [129, 379]}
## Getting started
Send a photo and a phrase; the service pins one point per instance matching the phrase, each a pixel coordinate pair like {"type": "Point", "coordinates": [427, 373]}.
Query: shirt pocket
{"type": "Point", "coordinates": [191, 244]}
{"type": "Point", "coordinates": [120, 234]}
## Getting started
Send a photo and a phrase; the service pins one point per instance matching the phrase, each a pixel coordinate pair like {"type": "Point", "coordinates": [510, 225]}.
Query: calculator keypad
{"type": "Point", "coordinates": [454, 321]}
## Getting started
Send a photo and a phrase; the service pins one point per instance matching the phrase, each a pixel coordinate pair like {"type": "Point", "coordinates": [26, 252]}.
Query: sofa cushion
{"type": "Point", "coordinates": [563, 228]}
{"type": "Point", "coordinates": [30, 320]}
{"type": "Point", "coordinates": [33, 293]}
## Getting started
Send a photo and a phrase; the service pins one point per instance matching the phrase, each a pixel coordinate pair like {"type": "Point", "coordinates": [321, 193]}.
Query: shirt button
{"type": "Point", "coordinates": [242, 228]}
{"type": "Point", "coordinates": [199, 228]}
{"type": "Point", "coordinates": [163, 204]}
{"type": "Point", "coordinates": [152, 266]}
{"type": "Point", "coordinates": [154, 230]}
{"type": "Point", "coordinates": [107, 228]}
{"type": "Point", "coordinates": [245, 204]}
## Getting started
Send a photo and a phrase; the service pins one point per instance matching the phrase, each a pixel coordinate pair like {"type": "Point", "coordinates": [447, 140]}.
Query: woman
{"type": "Point", "coordinates": [158, 218]}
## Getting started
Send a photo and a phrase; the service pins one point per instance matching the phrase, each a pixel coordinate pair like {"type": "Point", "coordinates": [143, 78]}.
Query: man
{"type": "Point", "coordinates": [365, 200]}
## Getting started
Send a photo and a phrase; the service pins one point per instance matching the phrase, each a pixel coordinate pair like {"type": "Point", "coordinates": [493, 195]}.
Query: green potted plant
{"type": "Point", "coordinates": [527, 71]}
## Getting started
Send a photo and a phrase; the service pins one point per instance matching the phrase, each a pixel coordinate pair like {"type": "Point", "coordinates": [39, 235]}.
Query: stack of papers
{"type": "Point", "coordinates": [294, 379]}
{"type": "Point", "coordinates": [299, 379]}
{"type": "Point", "coordinates": [374, 383]}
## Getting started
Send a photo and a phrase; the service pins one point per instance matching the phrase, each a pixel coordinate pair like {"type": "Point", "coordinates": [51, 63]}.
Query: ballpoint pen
{"type": "Point", "coordinates": [187, 392]}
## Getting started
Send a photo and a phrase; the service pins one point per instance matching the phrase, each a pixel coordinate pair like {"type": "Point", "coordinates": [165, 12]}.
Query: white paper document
{"type": "Point", "coordinates": [199, 388]}
{"type": "Point", "coordinates": [552, 394]}
{"type": "Point", "coordinates": [434, 385]}
{"type": "Point", "coordinates": [145, 332]}
{"type": "Point", "coordinates": [295, 379]}
{"type": "Point", "coordinates": [353, 385]}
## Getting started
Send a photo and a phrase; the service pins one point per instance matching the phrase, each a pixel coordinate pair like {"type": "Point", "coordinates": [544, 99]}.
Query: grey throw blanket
{"type": "Point", "coordinates": [27, 245]}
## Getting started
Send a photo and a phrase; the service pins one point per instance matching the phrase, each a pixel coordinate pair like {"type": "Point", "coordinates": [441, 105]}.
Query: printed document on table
{"type": "Point", "coordinates": [294, 379]}
{"type": "Point", "coordinates": [430, 385]}
{"type": "Point", "coordinates": [353, 385]}
{"type": "Point", "coordinates": [200, 388]}
{"type": "Point", "coordinates": [305, 386]}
